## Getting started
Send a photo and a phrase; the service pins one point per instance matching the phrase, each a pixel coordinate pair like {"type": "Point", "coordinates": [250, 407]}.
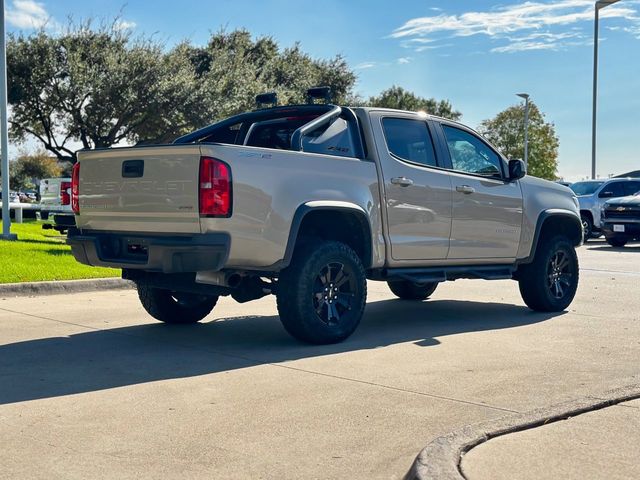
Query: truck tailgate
{"type": "Point", "coordinates": [140, 189]}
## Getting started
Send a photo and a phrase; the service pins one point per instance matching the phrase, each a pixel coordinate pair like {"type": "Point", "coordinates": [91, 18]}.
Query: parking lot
{"type": "Point", "coordinates": [92, 387]}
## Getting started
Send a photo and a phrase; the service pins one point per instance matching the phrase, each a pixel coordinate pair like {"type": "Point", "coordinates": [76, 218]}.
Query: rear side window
{"type": "Point", "coordinates": [409, 140]}
{"type": "Point", "coordinates": [469, 154]}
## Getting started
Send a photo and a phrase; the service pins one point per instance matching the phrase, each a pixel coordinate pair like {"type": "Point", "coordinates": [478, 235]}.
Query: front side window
{"type": "Point", "coordinates": [409, 140]}
{"type": "Point", "coordinates": [631, 188]}
{"type": "Point", "coordinates": [612, 190]}
{"type": "Point", "coordinates": [469, 154]}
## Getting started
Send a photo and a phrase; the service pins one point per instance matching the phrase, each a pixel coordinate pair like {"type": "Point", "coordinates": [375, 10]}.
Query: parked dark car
{"type": "Point", "coordinates": [621, 220]}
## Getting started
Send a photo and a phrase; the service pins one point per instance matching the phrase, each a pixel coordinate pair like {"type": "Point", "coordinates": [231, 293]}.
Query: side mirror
{"type": "Point", "coordinates": [517, 170]}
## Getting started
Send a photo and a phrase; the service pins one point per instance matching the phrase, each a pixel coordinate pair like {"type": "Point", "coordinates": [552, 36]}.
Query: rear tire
{"type": "Point", "coordinates": [617, 241]}
{"type": "Point", "coordinates": [549, 283]}
{"type": "Point", "coordinates": [321, 295]}
{"type": "Point", "coordinates": [175, 307]}
{"type": "Point", "coordinates": [407, 290]}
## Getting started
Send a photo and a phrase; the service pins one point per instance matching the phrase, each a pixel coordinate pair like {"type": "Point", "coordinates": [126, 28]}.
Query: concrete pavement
{"type": "Point", "coordinates": [600, 444]}
{"type": "Point", "coordinates": [91, 387]}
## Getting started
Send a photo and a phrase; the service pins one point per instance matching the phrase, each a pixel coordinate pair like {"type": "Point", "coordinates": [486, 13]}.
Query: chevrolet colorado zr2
{"type": "Point", "coordinates": [307, 202]}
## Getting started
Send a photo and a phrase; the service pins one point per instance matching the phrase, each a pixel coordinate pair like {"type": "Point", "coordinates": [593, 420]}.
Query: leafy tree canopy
{"type": "Point", "coordinates": [398, 97]}
{"type": "Point", "coordinates": [506, 131]}
{"type": "Point", "coordinates": [27, 168]}
{"type": "Point", "coordinates": [99, 85]}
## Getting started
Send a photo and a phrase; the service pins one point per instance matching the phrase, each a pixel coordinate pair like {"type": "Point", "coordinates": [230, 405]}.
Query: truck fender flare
{"type": "Point", "coordinates": [318, 205]}
{"type": "Point", "coordinates": [542, 218]}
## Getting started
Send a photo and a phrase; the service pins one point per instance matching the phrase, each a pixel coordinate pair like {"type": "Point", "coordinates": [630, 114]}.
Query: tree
{"type": "Point", "coordinates": [27, 168]}
{"type": "Point", "coordinates": [93, 85]}
{"type": "Point", "coordinates": [401, 99]}
{"type": "Point", "coordinates": [99, 85]}
{"type": "Point", "coordinates": [506, 131]}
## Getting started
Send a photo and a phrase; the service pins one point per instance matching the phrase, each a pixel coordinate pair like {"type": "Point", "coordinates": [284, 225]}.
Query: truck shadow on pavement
{"type": "Point", "coordinates": [103, 359]}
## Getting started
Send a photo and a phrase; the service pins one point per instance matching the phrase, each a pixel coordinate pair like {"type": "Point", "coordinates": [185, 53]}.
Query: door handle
{"type": "Point", "coordinates": [465, 189]}
{"type": "Point", "coordinates": [402, 181]}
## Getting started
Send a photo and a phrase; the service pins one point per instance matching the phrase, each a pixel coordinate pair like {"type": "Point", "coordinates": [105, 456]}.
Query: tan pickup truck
{"type": "Point", "coordinates": [307, 202]}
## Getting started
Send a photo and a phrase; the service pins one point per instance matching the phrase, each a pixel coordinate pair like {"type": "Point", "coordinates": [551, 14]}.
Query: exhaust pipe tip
{"type": "Point", "coordinates": [233, 280]}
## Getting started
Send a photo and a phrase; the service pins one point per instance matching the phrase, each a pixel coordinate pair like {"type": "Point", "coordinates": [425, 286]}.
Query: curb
{"type": "Point", "coordinates": [29, 289]}
{"type": "Point", "coordinates": [441, 458]}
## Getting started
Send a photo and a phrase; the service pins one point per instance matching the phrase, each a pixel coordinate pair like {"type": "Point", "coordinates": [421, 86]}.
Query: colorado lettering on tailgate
{"type": "Point", "coordinates": [134, 186]}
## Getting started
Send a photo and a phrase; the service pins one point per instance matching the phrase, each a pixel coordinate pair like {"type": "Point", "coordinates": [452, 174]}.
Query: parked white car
{"type": "Point", "coordinates": [55, 196]}
{"type": "Point", "coordinates": [55, 201]}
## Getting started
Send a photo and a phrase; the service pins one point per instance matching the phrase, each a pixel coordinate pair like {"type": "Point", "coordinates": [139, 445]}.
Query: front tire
{"type": "Point", "coordinates": [175, 307]}
{"type": "Point", "coordinates": [587, 227]}
{"type": "Point", "coordinates": [407, 290]}
{"type": "Point", "coordinates": [549, 283]}
{"type": "Point", "coordinates": [617, 241]}
{"type": "Point", "coordinates": [322, 294]}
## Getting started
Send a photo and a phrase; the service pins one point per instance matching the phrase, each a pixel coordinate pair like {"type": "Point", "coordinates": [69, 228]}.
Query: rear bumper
{"type": "Point", "coordinates": [56, 209]}
{"type": "Point", "coordinates": [156, 253]}
{"type": "Point", "coordinates": [64, 219]}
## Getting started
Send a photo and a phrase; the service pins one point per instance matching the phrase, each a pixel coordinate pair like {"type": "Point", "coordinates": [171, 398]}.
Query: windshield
{"type": "Point", "coordinates": [585, 188]}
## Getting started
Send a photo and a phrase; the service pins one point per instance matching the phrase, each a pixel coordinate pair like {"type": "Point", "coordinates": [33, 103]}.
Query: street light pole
{"type": "Point", "coordinates": [4, 140]}
{"type": "Point", "coordinates": [526, 128]}
{"type": "Point", "coordinates": [600, 4]}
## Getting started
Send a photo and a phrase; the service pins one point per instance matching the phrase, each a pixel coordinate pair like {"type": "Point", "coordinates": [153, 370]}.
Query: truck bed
{"type": "Point", "coordinates": [268, 186]}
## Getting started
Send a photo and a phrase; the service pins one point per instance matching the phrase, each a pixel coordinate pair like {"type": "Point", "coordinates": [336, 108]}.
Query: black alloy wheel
{"type": "Point", "coordinates": [321, 295]}
{"type": "Point", "coordinates": [334, 292]}
{"type": "Point", "coordinates": [549, 283]}
{"type": "Point", "coordinates": [559, 274]}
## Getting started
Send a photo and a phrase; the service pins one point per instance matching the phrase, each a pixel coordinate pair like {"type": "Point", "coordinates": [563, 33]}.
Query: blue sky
{"type": "Point", "coordinates": [478, 54]}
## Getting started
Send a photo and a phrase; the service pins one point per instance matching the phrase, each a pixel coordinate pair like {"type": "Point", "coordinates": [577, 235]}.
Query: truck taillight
{"type": "Point", "coordinates": [75, 188]}
{"type": "Point", "coordinates": [65, 193]}
{"type": "Point", "coordinates": [214, 188]}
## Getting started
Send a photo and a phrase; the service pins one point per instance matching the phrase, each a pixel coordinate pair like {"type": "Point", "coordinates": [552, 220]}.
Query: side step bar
{"type": "Point", "coordinates": [441, 274]}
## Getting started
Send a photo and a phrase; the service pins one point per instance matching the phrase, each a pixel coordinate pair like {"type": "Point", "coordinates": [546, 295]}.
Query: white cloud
{"type": "Point", "coordinates": [404, 60]}
{"type": "Point", "coordinates": [124, 24]}
{"type": "Point", "coordinates": [27, 14]}
{"type": "Point", "coordinates": [422, 48]}
{"type": "Point", "coordinates": [516, 23]}
{"type": "Point", "coordinates": [633, 30]}
{"type": "Point", "coordinates": [365, 65]}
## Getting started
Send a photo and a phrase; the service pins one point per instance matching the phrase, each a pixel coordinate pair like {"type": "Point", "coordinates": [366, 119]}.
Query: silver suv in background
{"type": "Point", "coordinates": [592, 195]}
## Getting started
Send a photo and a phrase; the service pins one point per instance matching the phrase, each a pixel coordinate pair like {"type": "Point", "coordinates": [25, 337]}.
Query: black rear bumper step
{"type": "Point", "coordinates": [159, 253]}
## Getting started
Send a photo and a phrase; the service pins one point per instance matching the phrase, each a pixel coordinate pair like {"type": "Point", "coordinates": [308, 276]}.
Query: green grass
{"type": "Point", "coordinates": [40, 255]}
